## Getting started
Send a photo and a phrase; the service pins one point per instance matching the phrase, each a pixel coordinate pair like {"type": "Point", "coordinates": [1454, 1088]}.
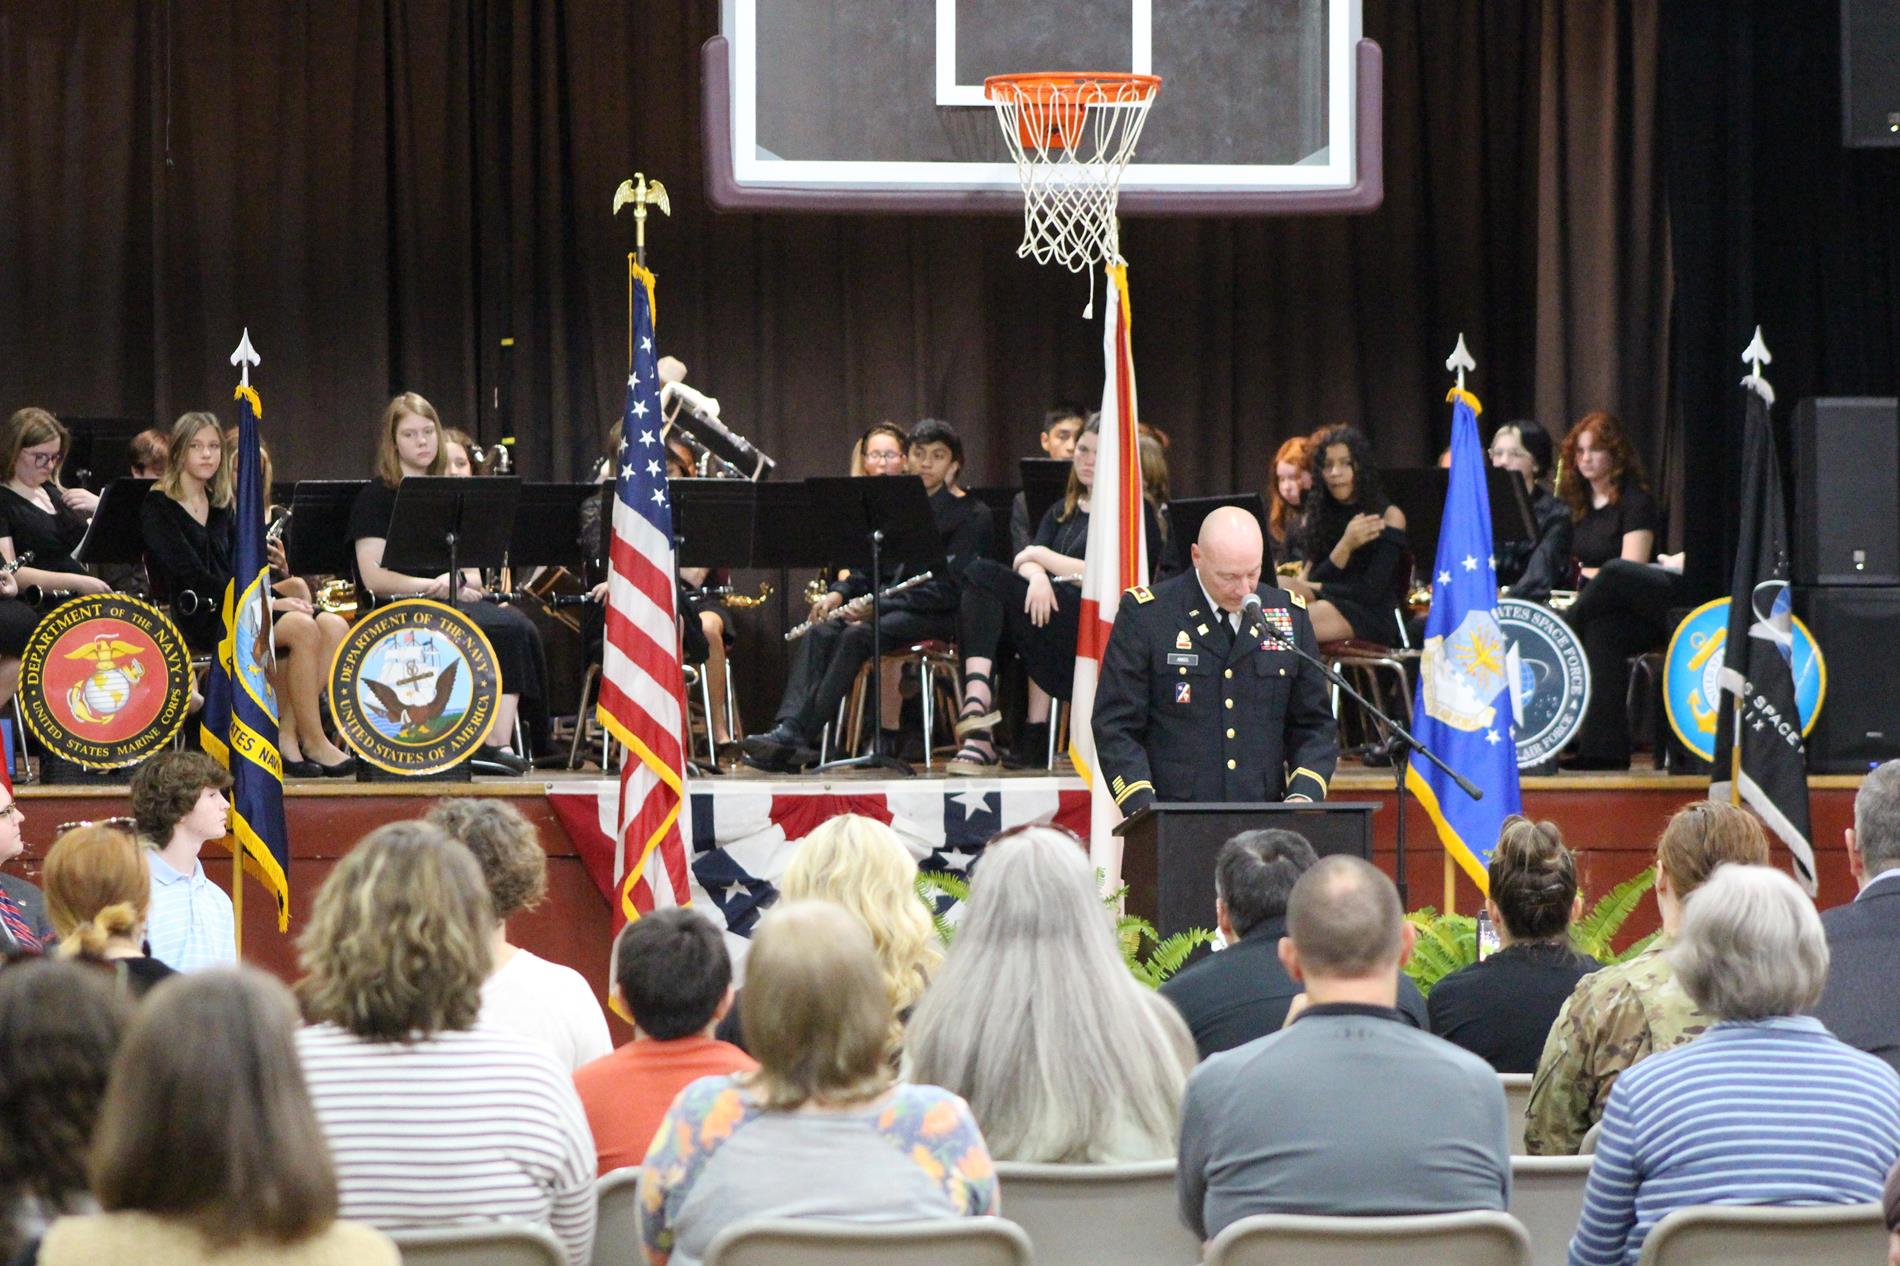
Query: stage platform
{"type": "Point", "coordinates": [744, 824]}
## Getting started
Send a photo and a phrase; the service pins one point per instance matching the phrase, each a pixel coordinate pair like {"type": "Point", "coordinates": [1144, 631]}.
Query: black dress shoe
{"type": "Point", "coordinates": [302, 769]}
{"type": "Point", "coordinates": [345, 768]}
{"type": "Point", "coordinates": [774, 750]}
{"type": "Point", "coordinates": [501, 756]}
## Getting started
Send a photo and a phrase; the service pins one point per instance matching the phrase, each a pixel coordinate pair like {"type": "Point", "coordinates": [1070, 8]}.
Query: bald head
{"type": "Point", "coordinates": [1227, 556]}
{"type": "Point", "coordinates": [1344, 919]}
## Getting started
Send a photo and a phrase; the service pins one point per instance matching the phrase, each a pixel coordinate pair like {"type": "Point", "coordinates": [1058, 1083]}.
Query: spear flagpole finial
{"type": "Point", "coordinates": [244, 357]}
{"type": "Point", "coordinates": [1460, 360]}
{"type": "Point", "coordinates": [1755, 355]}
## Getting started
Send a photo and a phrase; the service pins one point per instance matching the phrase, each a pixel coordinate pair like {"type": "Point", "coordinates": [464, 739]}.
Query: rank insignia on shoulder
{"type": "Point", "coordinates": [1142, 593]}
{"type": "Point", "coordinates": [1297, 600]}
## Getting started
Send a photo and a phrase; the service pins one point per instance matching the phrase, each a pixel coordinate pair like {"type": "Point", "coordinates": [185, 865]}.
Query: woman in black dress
{"type": "Point", "coordinates": [410, 442]}
{"type": "Point", "coordinates": [40, 517]}
{"type": "Point", "coordinates": [190, 554]}
{"type": "Point", "coordinates": [1531, 569]}
{"type": "Point", "coordinates": [1353, 541]}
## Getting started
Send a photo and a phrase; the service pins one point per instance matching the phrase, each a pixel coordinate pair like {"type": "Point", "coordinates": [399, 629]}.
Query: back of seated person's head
{"type": "Point", "coordinates": [1344, 920]}
{"type": "Point", "coordinates": [816, 1011]}
{"type": "Point", "coordinates": [860, 864]}
{"type": "Point", "coordinates": [672, 972]}
{"type": "Point", "coordinates": [60, 1026]}
{"type": "Point", "coordinates": [1703, 835]}
{"type": "Point", "coordinates": [1533, 879]}
{"type": "Point", "coordinates": [1751, 946]}
{"type": "Point", "coordinates": [1877, 819]}
{"type": "Point", "coordinates": [167, 787]}
{"type": "Point", "coordinates": [98, 887]}
{"type": "Point", "coordinates": [399, 938]}
{"type": "Point", "coordinates": [1255, 873]}
{"type": "Point", "coordinates": [504, 845]}
{"type": "Point", "coordinates": [208, 1121]}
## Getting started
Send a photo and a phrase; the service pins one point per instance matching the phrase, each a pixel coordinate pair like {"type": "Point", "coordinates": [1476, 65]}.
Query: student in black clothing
{"type": "Point", "coordinates": [1531, 569]}
{"type": "Point", "coordinates": [1502, 1008]}
{"type": "Point", "coordinates": [190, 543]}
{"type": "Point", "coordinates": [37, 515]}
{"type": "Point", "coordinates": [825, 661]}
{"type": "Point", "coordinates": [1062, 425]}
{"type": "Point", "coordinates": [410, 443]}
{"type": "Point", "coordinates": [1353, 541]}
{"type": "Point", "coordinates": [1623, 609]}
{"type": "Point", "coordinates": [1244, 992]}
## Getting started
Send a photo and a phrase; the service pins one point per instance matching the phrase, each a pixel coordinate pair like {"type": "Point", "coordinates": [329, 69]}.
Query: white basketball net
{"type": "Point", "coordinates": [1072, 141]}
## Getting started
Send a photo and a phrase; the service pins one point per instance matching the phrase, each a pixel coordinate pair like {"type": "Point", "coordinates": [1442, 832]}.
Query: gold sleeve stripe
{"type": "Point", "coordinates": [1315, 777]}
{"type": "Point", "coordinates": [1132, 788]}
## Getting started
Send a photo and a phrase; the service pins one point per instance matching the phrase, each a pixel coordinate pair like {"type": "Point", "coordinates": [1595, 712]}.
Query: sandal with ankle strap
{"type": "Point", "coordinates": [974, 722]}
{"type": "Point", "coordinates": [971, 760]}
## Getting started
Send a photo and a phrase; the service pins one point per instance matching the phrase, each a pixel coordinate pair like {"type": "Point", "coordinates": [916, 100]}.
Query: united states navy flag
{"type": "Point", "coordinates": [239, 722]}
{"type": "Point", "coordinates": [1464, 697]}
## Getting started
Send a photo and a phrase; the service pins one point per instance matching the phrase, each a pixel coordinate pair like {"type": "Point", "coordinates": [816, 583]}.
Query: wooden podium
{"type": "Point", "coordinates": [1168, 850]}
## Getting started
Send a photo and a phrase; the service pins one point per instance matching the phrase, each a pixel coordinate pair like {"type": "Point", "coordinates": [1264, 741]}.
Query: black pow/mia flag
{"type": "Point", "coordinates": [1760, 759]}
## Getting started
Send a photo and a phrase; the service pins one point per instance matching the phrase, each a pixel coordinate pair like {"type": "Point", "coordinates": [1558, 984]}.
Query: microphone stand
{"type": "Point", "coordinates": [1402, 741]}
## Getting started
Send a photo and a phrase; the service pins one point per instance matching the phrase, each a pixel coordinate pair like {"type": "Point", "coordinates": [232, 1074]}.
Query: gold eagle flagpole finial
{"type": "Point", "coordinates": [642, 193]}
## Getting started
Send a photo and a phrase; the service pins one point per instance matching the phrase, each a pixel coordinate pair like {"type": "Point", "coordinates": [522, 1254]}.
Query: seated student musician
{"type": "Point", "coordinates": [1286, 494]}
{"type": "Point", "coordinates": [410, 443]}
{"type": "Point", "coordinates": [826, 661]}
{"type": "Point", "coordinates": [1531, 569]}
{"type": "Point", "coordinates": [1033, 609]}
{"type": "Point", "coordinates": [147, 453]}
{"type": "Point", "coordinates": [37, 516]}
{"type": "Point", "coordinates": [1062, 426]}
{"type": "Point", "coordinates": [190, 551]}
{"type": "Point", "coordinates": [1354, 541]}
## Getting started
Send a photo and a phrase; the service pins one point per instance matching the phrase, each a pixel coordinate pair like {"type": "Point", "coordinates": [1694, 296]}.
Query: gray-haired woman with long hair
{"type": "Point", "coordinates": [1035, 1020]}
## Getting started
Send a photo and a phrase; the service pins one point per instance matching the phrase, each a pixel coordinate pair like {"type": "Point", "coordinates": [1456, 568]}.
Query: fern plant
{"type": "Point", "coordinates": [1594, 932]}
{"type": "Point", "coordinates": [939, 890]}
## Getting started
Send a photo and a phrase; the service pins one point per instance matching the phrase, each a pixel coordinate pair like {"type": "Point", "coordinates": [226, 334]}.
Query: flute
{"type": "Point", "coordinates": [856, 606]}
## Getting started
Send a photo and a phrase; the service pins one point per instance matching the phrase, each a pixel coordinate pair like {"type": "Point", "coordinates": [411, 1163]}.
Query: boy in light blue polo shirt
{"type": "Point", "coordinates": [179, 805]}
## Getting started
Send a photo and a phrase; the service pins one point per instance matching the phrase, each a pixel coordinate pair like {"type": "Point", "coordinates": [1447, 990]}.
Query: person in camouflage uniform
{"type": "Point", "coordinates": [1628, 1011]}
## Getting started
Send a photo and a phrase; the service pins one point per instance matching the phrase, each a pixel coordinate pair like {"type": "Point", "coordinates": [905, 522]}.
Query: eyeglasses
{"type": "Point", "coordinates": [11, 811]}
{"type": "Point", "coordinates": [882, 459]}
{"type": "Point", "coordinates": [45, 461]}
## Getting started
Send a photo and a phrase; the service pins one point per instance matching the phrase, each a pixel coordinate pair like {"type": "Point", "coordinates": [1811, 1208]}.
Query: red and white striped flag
{"type": "Point", "coordinates": [1117, 560]}
{"type": "Point", "coordinates": [642, 692]}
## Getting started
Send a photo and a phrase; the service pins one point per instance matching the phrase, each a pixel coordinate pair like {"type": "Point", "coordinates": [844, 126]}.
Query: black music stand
{"type": "Point", "coordinates": [100, 449]}
{"type": "Point", "coordinates": [316, 541]}
{"type": "Point", "coordinates": [446, 523]}
{"type": "Point", "coordinates": [547, 524]}
{"type": "Point", "coordinates": [1169, 850]}
{"type": "Point", "coordinates": [1186, 515]}
{"type": "Point", "coordinates": [1045, 482]}
{"type": "Point", "coordinates": [116, 535]}
{"type": "Point", "coordinates": [858, 522]}
{"type": "Point", "coordinates": [1421, 493]}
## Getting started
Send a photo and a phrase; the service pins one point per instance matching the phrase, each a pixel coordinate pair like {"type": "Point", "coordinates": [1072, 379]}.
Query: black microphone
{"type": "Point", "coordinates": [1251, 606]}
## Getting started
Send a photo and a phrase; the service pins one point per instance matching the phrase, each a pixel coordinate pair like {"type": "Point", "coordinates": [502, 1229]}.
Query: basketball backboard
{"type": "Point", "coordinates": [1266, 106]}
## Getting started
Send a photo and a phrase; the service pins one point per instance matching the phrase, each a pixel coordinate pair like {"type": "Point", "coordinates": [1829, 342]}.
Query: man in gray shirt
{"type": "Point", "coordinates": [1348, 1110]}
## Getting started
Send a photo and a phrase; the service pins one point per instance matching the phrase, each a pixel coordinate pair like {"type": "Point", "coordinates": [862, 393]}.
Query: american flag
{"type": "Point", "coordinates": [642, 693]}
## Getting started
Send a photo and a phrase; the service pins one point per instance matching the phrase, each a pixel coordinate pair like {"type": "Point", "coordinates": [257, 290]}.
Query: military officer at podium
{"type": "Point", "coordinates": [1198, 699]}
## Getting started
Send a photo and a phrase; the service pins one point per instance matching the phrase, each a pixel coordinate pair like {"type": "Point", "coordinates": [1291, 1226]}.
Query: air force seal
{"type": "Point", "coordinates": [414, 687]}
{"type": "Point", "coordinates": [105, 681]}
{"type": "Point", "coordinates": [1549, 676]}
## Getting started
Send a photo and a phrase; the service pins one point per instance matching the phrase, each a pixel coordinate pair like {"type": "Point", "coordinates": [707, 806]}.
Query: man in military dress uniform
{"type": "Point", "coordinates": [1200, 701]}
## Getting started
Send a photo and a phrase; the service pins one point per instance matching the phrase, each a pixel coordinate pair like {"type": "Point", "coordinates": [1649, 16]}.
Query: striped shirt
{"type": "Point", "coordinates": [1762, 1112]}
{"type": "Point", "coordinates": [466, 1126]}
{"type": "Point", "coordinates": [190, 925]}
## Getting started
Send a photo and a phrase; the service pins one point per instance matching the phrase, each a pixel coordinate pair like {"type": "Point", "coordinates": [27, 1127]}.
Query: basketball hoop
{"type": "Point", "coordinates": [1071, 135]}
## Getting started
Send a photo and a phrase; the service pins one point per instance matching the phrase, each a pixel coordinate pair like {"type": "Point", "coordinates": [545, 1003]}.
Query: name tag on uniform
{"type": "Point", "coordinates": [1188, 661]}
{"type": "Point", "coordinates": [1184, 692]}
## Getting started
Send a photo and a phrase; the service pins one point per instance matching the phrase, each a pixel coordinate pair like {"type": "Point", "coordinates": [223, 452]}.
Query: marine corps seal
{"type": "Point", "coordinates": [414, 687]}
{"type": "Point", "coordinates": [105, 681]}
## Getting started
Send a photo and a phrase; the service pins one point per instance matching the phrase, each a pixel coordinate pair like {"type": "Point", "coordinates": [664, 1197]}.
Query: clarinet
{"type": "Point", "coordinates": [856, 606]}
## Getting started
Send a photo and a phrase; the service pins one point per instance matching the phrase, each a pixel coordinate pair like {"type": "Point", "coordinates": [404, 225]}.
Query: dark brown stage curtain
{"type": "Point", "coordinates": [384, 192]}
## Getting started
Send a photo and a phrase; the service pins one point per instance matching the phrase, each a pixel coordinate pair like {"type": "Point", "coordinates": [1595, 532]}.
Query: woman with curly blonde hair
{"type": "Point", "coordinates": [433, 1120]}
{"type": "Point", "coordinates": [860, 864]}
{"type": "Point", "coordinates": [98, 892]}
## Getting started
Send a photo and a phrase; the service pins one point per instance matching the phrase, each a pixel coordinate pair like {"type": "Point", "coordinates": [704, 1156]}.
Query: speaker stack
{"type": "Point", "coordinates": [1847, 573]}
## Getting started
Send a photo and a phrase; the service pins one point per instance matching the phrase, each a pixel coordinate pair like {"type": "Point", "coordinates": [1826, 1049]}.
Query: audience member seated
{"type": "Point", "coordinates": [1890, 1208]}
{"type": "Point", "coordinates": [1243, 992]}
{"type": "Point", "coordinates": [1354, 542]}
{"type": "Point", "coordinates": [673, 982]}
{"type": "Point", "coordinates": [822, 1129]}
{"type": "Point", "coordinates": [1502, 1008]}
{"type": "Point", "coordinates": [1286, 494]}
{"type": "Point", "coordinates": [60, 1025]}
{"type": "Point", "coordinates": [524, 992]}
{"type": "Point", "coordinates": [99, 891]}
{"type": "Point", "coordinates": [1767, 1107]}
{"type": "Point", "coordinates": [207, 1150]}
{"type": "Point", "coordinates": [1623, 609]}
{"type": "Point", "coordinates": [178, 805]}
{"type": "Point", "coordinates": [23, 924]}
{"type": "Point", "coordinates": [1061, 426]}
{"type": "Point", "coordinates": [1623, 1013]}
{"type": "Point", "coordinates": [1095, 1078]}
{"type": "Point", "coordinates": [1861, 1004]}
{"type": "Point", "coordinates": [860, 864]}
{"type": "Point", "coordinates": [1531, 569]}
{"type": "Point", "coordinates": [432, 1121]}
{"type": "Point", "coordinates": [1349, 1111]}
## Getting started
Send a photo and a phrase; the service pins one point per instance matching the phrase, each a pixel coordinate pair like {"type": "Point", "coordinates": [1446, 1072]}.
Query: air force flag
{"type": "Point", "coordinates": [1463, 707]}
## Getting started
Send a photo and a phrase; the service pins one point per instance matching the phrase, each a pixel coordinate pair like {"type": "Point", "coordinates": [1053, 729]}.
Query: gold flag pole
{"type": "Point", "coordinates": [1451, 884]}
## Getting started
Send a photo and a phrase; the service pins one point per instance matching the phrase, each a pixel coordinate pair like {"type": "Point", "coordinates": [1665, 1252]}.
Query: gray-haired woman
{"type": "Point", "coordinates": [1062, 1055]}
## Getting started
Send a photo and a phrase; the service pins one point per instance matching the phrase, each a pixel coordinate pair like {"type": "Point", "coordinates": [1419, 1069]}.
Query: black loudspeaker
{"type": "Point", "coordinates": [1859, 725]}
{"type": "Point", "coordinates": [1870, 72]}
{"type": "Point", "coordinates": [1847, 492]}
